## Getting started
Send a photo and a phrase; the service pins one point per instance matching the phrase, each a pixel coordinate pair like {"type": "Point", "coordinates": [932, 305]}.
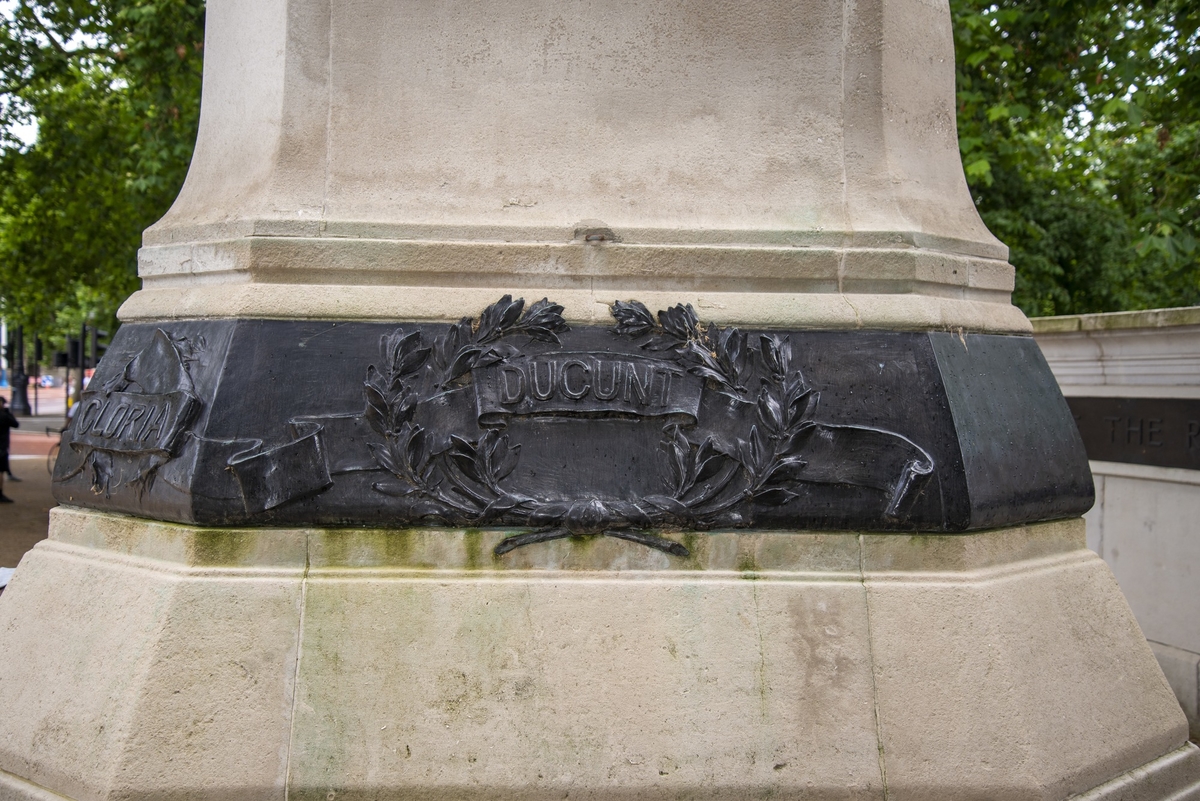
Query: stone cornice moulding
{"type": "Point", "coordinates": [1144, 354]}
{"type": "Point", "coordinates": [423, 303]}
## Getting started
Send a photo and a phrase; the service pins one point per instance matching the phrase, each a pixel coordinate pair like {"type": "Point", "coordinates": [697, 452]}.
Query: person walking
{"type": "Point", "coordinates": [7, 423]}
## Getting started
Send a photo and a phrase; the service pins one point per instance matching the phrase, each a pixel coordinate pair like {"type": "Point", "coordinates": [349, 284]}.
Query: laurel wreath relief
{"type": "Point", "coordinates": [702, 477]}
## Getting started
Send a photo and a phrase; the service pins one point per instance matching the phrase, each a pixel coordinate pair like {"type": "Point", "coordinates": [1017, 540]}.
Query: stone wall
{"type": "Point", "coordinates": [1133, 382]}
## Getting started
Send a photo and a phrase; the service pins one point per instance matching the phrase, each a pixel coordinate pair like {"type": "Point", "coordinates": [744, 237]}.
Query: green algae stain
{"type": "Point", "coordinates": [367, 547]}
{"type": "Point", "coordinates": [334, 544]}
{"type": "Point", "coordinates": [473, 549]}
{"type": "Point", "coordinates": [397, 546]}
{"type": "Point", "coordinates": [220, 547]}
{"type": "Point", "coordinates": [691, 540]}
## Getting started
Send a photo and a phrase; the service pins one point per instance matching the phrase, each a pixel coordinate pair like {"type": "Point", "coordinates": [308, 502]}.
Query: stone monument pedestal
{"type": "Point", "coordinates": [185, 662]}
{"type": "Point", "coordinates": [596, 399]}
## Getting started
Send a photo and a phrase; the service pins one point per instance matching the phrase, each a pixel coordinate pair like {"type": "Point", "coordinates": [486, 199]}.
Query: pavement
{"type": "Point", "coordinates": [24, 523]}
{"type": "Point", "coordinates": [45, 402]}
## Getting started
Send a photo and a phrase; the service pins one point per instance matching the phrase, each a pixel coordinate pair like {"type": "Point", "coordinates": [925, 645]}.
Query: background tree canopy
{"type": "Point", "coordinates": [1079, 126]}
{"type": "Point", "coordinates": [113, 87]}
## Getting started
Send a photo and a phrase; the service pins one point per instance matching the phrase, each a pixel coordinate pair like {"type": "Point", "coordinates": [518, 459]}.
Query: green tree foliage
{"type": "Point", "coordinates": [113, 87]}
{"type": "Point", "coordinates": [1079, 125]}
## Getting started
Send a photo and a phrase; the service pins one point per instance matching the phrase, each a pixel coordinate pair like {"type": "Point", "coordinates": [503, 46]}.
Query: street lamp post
{"type": "Point", "coordinates": [20, 381]}
{"type": "Point", "coordinates": [37, 371]}
{"type": "Point", "coordinates": [83, 335]}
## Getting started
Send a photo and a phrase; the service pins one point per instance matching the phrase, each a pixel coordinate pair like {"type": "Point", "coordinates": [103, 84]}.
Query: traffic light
{"type": "Point", "coordinates": [84, 351]}
{"type": "Point", "coordinates": [98, 348]}
{"type": "Point", "coordinates": [74, 352]}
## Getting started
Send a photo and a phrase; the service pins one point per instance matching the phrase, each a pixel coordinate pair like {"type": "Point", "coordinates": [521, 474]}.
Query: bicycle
{"type": "Point", "coordinates": [52, 455]}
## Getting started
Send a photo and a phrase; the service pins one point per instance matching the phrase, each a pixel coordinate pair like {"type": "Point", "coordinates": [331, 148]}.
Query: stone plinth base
{"type": "Point", "coordinates": [1141, 370]}
{"type": "Point", "coordinates": [148, 660]}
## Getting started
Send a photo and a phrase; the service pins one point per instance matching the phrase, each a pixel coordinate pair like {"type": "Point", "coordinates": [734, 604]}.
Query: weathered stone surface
{"type": "Point", "coordinates": [143, 676]}
{"type": "Point", "coordinates": [770, 165]}
{"type": "Point", "coordinates": [986, 691]}
{"type": "Point", "coordinates": [1133, 381]}
{"type": "Point", "coordinates": [594, 687]}
{"type": "Point", "coordinates": [779, 167]}
{"type": "Point", "coordinates": [1182, 670]}
{"type": "Point", "coordinates": [437, 304]}
{"type": "Point", "coordinates": [414, 663]}
{"type": "Point", "coordinates": [1171, 776]}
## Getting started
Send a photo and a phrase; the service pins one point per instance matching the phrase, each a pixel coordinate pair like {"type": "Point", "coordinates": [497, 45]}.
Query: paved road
{"type": "Point", "coordinates": [23, 523]}
{"type": "Point", "coordinates": [50, 401]}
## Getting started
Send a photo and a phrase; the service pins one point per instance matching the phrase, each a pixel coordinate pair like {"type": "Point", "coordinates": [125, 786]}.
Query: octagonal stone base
{"type": "Point", "coordinates": [151, 660]}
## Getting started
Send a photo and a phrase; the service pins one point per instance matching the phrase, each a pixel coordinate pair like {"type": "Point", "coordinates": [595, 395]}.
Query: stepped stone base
{"type": "Point", "coordinates": [151, 660]}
